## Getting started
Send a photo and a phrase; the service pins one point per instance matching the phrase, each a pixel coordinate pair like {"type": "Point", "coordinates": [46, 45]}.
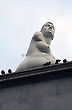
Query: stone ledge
{"type": "Point", "coordinates": [45, 73]}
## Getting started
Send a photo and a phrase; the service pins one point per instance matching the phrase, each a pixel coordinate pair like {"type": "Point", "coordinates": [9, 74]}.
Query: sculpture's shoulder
{"type": "Point", "coordinates": [37, 36]}
{"type": "Point", "coordinates": [37, 33]}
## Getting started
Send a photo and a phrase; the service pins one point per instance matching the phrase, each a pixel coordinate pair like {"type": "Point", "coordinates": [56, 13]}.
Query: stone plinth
{"type": "Point", "coordinates": [43, 88]}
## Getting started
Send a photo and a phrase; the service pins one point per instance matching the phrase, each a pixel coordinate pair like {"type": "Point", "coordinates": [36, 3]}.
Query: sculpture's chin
{"type": "Point", "coordinates": [49, 34]}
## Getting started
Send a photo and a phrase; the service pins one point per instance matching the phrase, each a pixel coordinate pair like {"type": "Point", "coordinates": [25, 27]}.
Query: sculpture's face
{"type": "Point", "coordinates": [48, 28]}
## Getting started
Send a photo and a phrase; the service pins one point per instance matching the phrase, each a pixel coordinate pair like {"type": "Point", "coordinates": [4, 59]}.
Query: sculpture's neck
{"type": "Point", "coordinates": [47, 40]}
{"type": "Point", "coordinates": [48, 37]}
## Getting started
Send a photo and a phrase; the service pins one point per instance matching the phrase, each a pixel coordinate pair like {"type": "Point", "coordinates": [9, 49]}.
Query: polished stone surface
{"type": "Point", "coordinates": [39, 51]}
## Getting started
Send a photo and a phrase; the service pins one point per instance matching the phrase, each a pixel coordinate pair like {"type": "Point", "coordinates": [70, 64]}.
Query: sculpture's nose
{"type": "Point", "coordinates": [50, 27]}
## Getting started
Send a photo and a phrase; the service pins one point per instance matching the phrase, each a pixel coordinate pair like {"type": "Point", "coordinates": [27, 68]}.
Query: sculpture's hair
{"type": "Point", "coordinates": [45, 24]}
{"type": "Point", "coordinates": [50, 23]}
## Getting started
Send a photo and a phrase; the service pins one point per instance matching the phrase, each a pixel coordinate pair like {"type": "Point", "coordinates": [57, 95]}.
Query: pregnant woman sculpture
{"type": "Point", "coordinates": [39, 52]}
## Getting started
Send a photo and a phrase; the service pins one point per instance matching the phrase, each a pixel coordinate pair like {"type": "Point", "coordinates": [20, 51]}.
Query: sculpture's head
{"type": "Point", "coordinates": [48, 30]}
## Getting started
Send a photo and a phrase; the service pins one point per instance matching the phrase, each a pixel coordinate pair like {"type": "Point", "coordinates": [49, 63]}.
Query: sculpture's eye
{"type": "Point", "coordinates": [48, 25]}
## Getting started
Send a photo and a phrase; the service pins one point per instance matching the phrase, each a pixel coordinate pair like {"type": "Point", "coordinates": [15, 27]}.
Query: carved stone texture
{"type": "Point", "coordinates": [39, 51]}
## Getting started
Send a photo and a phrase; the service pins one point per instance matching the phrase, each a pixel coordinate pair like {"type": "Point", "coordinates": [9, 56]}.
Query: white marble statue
{"type": "Point", "coordinates": [39, 51]}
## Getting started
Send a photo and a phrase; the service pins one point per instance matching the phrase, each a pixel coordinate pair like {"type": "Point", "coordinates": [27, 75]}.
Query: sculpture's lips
{"type": "Point", "coordinates": [49, 29]}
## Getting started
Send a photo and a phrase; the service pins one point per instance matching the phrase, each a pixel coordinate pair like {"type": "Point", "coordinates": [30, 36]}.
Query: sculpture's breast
{"type": "Point", "coordinates": [38, 45]}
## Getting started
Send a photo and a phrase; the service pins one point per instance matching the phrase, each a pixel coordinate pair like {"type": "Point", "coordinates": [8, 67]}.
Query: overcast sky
{"type": "Point", "coordinates": [20, 19]}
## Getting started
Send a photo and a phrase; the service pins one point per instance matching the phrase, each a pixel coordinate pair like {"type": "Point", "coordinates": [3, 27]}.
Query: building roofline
{"type": "Point", "coordinates": [40, 74]}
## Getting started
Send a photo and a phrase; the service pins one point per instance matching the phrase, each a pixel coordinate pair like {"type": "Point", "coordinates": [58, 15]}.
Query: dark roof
{"type": "Point", "coordinates": [40, 74]}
